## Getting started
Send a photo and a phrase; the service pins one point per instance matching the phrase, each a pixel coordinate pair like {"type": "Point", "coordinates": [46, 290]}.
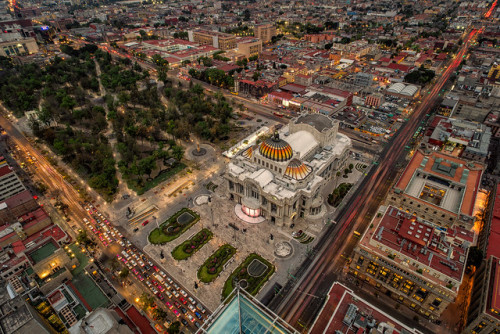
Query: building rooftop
{"type": "Point", "coordinates": [442, 181]}
{"type": "Point", "coordinates": [404, 236]}
{"type": "Point", "coordinates": [44, 251]}
{"type": "Point", "coordinates": [318, 121]}
{"type": "Point", "coordinates": [244, 314]}
{"type": "Point", "coordinates": [344, 310]}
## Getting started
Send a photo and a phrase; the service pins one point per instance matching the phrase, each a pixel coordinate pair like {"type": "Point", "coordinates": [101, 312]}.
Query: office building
{"type": "Point", "coordinates": [418, 264]}
{"type": "Point", "coordinates": [216, 39]}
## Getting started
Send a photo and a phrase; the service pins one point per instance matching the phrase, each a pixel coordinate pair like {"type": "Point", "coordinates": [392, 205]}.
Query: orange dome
{"type": "Point", "coordinates": [297, 170]}
{"type": "Point", "coordinates": [276, 149]}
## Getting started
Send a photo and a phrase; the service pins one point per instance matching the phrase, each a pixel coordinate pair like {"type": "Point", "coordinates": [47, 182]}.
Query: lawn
{"type": "Point", "coordinates": [172, 228]}
{"type": "Point", "coordinates": [192, 245]}
{"type": "Point", "coordinates": [213, 266]}
{"type": "Point", "coordinates": [157, 180]}
{"type": "Point", "coordinates": [253, 283]}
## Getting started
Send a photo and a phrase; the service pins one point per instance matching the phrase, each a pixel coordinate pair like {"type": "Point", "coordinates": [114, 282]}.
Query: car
{"type": "Point", "coordinates": [169, 294]}
{"type": "Point", "coordinates": [161, 288]}
{"type": "Point", "coordinates": [183, 293]}
{"type": "Point", "coordinates": [190, 317]}
{"type": "Point", "coordinates": [136, 229]}
{"type": "Point", "coordinates": [184, 322]}
{"type": "Point", "coordinates": [198, 315]}
{"type": "Point", "coordinates": [176, 294]}
{"type": "Point", "coordinates": [191, 300]}
{"type": "Point", "coordinates": [150, 263]}
{"type": "Point", "coordinates": [197, 324]}
{"type": "Point", "coordinates": [162, 274]}
{"type": "Point", "coordinates": [145, 223]}
{"type": "Point", "coordinates": [183, 310]}
{"type": "Point", "coordinates": [170, 306]}
{"type": "Point", "coordinates": [176, 286]}
{"type": "Point", "coordinates": [176, 303]}
{"type": "Point", "coordinates": [159, 295]}
{"type": "Point", "coordinates": [169, 280]}
{"type": "Point", "coordinates": [141, 278]}
{"type": "Point", "coordinates": [168, 286]}
{"type": "Point", "coordinates": [201, 308]}
{"type": "Point", "coordinates": [156, 268]}
{"type": "Point", "coordinates": [182, 300]}
{"type": "Point", "coordinates": [149, 284]}
{"type": "Point", "coordinates": [191, 308]}
{"type": "Point", "coordinates": [154, 290]}
{"type": "Point", "coordinates": [177, 314]}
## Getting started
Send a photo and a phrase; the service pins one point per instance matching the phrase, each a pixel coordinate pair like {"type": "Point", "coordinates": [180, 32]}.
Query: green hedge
{"type": "Point", "coordinates": [254, 283]}
{"type": "Point", "coordinates": [157, 236]}
{"type": "Point", "coordinates": [213, 266]}
{"type": "Point", "coordinates": [192, 245]}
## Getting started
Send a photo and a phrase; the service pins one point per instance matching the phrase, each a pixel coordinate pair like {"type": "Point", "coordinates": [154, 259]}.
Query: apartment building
{"type": "Point", "coordinates": [265, 32]}
{"type": "Point", "coordinates": [439, 188]}
{"type": "Point", "coordinates": [249, 47]}
{"type": "Point", "coordinates": [415, 262]}
{"type": "Point", "coordinates": [216, 39]}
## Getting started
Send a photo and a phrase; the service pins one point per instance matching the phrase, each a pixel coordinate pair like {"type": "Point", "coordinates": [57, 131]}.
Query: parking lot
{"type": "Point", "coordinates": [169, 293]}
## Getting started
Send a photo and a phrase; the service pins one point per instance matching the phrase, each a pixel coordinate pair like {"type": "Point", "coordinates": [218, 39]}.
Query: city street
{"type": "Point", "coordinates": [305, 298]}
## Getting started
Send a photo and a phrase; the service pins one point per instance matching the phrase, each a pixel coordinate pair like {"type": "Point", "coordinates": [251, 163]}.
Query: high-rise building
{"type": "Point", "coordinates": [484, 308]}
{"type": "Point", "coordinates": [418, 264]}
{"type": "Point", "coordinates": [241, 313]}
{"type": "Point", "coordinates": [265, 32]}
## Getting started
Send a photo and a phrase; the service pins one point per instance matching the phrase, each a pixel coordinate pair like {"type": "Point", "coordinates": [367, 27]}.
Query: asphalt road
{"type": "Point", "coordinates": [302, 303]}
{"type": "Point", "coordinates": [69, 196]}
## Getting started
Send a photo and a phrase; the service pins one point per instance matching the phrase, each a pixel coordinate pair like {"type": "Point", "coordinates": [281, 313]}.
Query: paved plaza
{"type": "Point", "coordinates": [216, 216]}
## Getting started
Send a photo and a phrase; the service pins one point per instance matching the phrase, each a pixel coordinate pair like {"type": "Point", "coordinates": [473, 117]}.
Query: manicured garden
{"type": "Point", "coordinates": [213, 266]}
{"type": "Point", "coordinates": [174, 226]}
{"type": "Point", "coordinates": [192, 245]}
{"type": "Point", "coordinates": [252, 273]}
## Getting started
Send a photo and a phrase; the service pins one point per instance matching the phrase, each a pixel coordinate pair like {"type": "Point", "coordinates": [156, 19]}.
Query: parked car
{"type": "Point", "coordinates": [184, 322]}
{"type": "Point", "coordinates": [145, 223]}
{"type": "Point", "coordinates": [198, 315]}
{"type": "Point", "coordinates": [183, 293]}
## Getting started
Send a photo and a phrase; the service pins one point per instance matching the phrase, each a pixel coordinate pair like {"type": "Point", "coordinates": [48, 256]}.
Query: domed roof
{"type": "Point", "coordinates": [248, 153]}
{"type": "Point", "coordinates": [276, 149]}
{"type": "Point", "coordinates": [297, 170]}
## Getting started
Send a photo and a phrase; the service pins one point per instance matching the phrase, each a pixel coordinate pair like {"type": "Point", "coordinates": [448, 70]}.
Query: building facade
{"type": "Point", "coordinates": [265, 32]}
{"type": "Point", "coordinates": [415, 262]}
{"type": "Point", "coordinates": [250, 47]}
{"type": "Point", "coordinates": [216, 39]}
{"type": "Point", "coordinates": [281, 178]}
